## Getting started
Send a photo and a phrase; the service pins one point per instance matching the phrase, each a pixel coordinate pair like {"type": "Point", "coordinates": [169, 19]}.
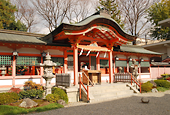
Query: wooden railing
{"type": "Point", "coordinates": [126, 77]}
{"type": "Point", "coordinates": [133, 79]}
{"type": "Point", "coordinates": [86, 89]}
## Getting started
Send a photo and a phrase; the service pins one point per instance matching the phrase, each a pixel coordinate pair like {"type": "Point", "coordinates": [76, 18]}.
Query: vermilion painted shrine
{"type": "Point", "coordinates": [97, 42]}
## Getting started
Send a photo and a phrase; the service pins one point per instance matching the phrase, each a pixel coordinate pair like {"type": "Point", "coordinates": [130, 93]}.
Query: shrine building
{"type": "Point", "coordinates": [95, 43]}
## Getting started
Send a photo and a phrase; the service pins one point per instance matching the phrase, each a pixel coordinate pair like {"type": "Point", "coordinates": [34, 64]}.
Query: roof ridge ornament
{"type": "Point", "coordinates": [105, 12]}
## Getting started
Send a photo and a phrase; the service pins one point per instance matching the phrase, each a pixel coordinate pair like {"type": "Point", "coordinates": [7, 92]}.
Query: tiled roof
{"type": "Point", "coordinates": [137, 49]}
{"type": "Point", "coordinates": [12, 36]}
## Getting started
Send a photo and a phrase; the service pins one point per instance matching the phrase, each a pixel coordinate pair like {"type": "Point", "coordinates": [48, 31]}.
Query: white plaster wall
{"type": "Point", "coordinates": [29, 50]}
{"type": "Point", "coordinates": [37, 81]}
{"type": "Point", "coordinates": [102, 55]}
{"type": "Point", "coordinates": [145, 58]}
{"type": "Point", "coordinates": [5, 49]}
{"type": "Point", "coordinates": [5, 82]}
{"type": "Point", "coordinates": [134, 57]}
{"type": "Point", "coordinates": [121, 56]}
{"type": "Point", "coordinates": [20, 81]}
{"type": "Point", "coordinates": [145, 76]}
{"type": "Point", "coordinates": [54, 52]}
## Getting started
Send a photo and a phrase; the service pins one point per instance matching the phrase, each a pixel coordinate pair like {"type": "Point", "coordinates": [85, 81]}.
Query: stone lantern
{"type": "Point", "coordinates": [48, 73]}
{"type": "Point", "coordinates": [3, 70]}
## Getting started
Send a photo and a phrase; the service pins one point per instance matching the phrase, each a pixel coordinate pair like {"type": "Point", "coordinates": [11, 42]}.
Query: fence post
{"type": "Point", "coordinates": [80, 87]}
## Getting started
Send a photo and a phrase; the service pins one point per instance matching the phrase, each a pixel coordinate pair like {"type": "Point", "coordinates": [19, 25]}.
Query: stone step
{"type": "Point", "coordinates": [115, 93]}
{"type": "Point", "coordinates": [100, 99]}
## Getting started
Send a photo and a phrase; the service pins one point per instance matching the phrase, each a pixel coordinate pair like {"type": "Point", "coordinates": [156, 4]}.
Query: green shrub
{"type": "Point", "coordinates": [31, 94]}
{"type": "Point", "coordinates": [162, 89]}
{"type": "Point", "coordinates": [164, 76]}
{"type": "Point", "coordinates": [52, 98]}
{"type": "Point", "coordinates": [9, 97]}
{"type": "Point", "coordinates": [162, 83]}
{"type": "Point", "coordinates": [62, 94]}
{"type": "Point", "coordinates": [146, 87]}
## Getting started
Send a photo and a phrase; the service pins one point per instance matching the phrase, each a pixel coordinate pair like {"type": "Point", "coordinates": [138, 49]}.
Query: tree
{"type": "Point", "coordinates": [112, 7]}
{"type": "Point", "coordinates": [52, 11]}
{"type": "Point", "coordinates": [26, 13]}
{"type": "Point", "coordinates": [80, 10]}
{"type": "Point", "coordinates": [133, 12]}
{"type": "Point", "coordinates": [7, 18]}
{"type": "Point", "coordinates": [157, 12]}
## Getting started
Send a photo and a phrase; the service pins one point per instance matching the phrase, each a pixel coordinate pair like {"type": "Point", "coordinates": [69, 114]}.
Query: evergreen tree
{"type": "Point", "coordinates": [112, 7]}
{"type": "Point", "coordinates": [7, 17]}
{"type": "Point", "coordinates": [156, 13]}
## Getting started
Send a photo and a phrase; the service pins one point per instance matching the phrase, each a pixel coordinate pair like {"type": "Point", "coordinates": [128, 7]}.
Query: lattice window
{"type": "Point", "coordinates": [29, 61]}
{"type": "Point", "coordinates": [6, 60]}
{"type": "Point", "coordinates": [104, 63]}
{"type": "Point", "coordinates": [58, 60]}
{"type": "Point", "coordinates": [121, 63]}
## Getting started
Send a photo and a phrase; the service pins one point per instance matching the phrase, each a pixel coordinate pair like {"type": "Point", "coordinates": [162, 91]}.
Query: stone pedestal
{"type": "Point", "coordinates": [48, 73]}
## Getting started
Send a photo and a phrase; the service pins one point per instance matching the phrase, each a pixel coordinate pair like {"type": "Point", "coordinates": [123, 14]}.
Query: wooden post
{"type": "Point", "coordinates": [65, 61]}
{"type": "Point", "coordinates": [13, 70]}
{"type": "Point", "coordinates": [75, 61]}
{"type": "Point", "coordinates": [110, 67]}
{"type": "Point", "coordinates": [80, 87]}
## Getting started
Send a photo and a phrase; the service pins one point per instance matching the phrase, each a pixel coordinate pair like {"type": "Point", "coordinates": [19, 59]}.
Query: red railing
{"type": "Point", "coordinates": [86, 89]}
{"type": "Point", "coordinates": [126, 77]}
{"type": "Point", "coordinates": [133, 79]}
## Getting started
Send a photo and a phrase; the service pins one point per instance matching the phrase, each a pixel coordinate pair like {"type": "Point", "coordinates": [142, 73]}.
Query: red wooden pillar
{"type": "Point", "coordinates": [110, 67]}
{"type": "Point", "coordinates": [13, 70]}
{"type": "Point", "coordinates": [75, 62]}
{"type": "Point", "coordinates": [98, 63]}
{"type": "Point", "coordinates": [65, 61]}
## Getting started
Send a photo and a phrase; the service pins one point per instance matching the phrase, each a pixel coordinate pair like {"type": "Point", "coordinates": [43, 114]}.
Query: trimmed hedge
{"type": "Point", "coordinates": [162, 83]}
{"type": "Point", "coordinates": [31, 94]}
{"type": "Point", "coordinates": [62, 94]}
{"type": "Point", "coordinates": [52, 98]}
{"type": "Point", "coordinates": [146, 87]}
{"type": "Point", "coordinates": [9, 97]}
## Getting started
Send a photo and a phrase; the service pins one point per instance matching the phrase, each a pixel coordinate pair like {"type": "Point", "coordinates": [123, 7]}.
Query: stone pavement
{"type": "Point", "coordinates": [159, 105]}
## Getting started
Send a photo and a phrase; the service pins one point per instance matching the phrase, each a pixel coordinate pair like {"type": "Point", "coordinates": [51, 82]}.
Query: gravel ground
{"type": "Point", "coordinates": [159, 105]}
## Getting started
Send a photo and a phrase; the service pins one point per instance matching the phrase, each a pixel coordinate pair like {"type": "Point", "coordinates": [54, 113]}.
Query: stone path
{"type": "Point", "coordinates": [159, 105]}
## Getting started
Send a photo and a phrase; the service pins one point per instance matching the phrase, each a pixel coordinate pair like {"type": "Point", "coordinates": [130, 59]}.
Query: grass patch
{"type": "Point", "coordinates": [14, 110]}
{"type": "Point", "coordinates": [162, 89]}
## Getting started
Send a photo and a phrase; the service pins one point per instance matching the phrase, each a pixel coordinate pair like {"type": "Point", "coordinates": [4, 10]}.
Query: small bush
{"type": "Point", "coordinates": [162, 89]}
{"type": "Point", "coordinates": [162, 83]}
{"type": "Point", "coordinates": [146, 87]}
{"type": "Point", "coordinates": [9, 97]}
{"type": "Point", "coordinates": [32, 85]}
{"type": "Point", "coordinates": [31, 94]}
{"type": "Point", "coordinates": [165, 76]}
{"type": "Point", "coordinates": [52, 98]}
{"type": "Point", "coordinates": [16, 90]}
{"type": "Point", "coordinates": [62, 94]}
